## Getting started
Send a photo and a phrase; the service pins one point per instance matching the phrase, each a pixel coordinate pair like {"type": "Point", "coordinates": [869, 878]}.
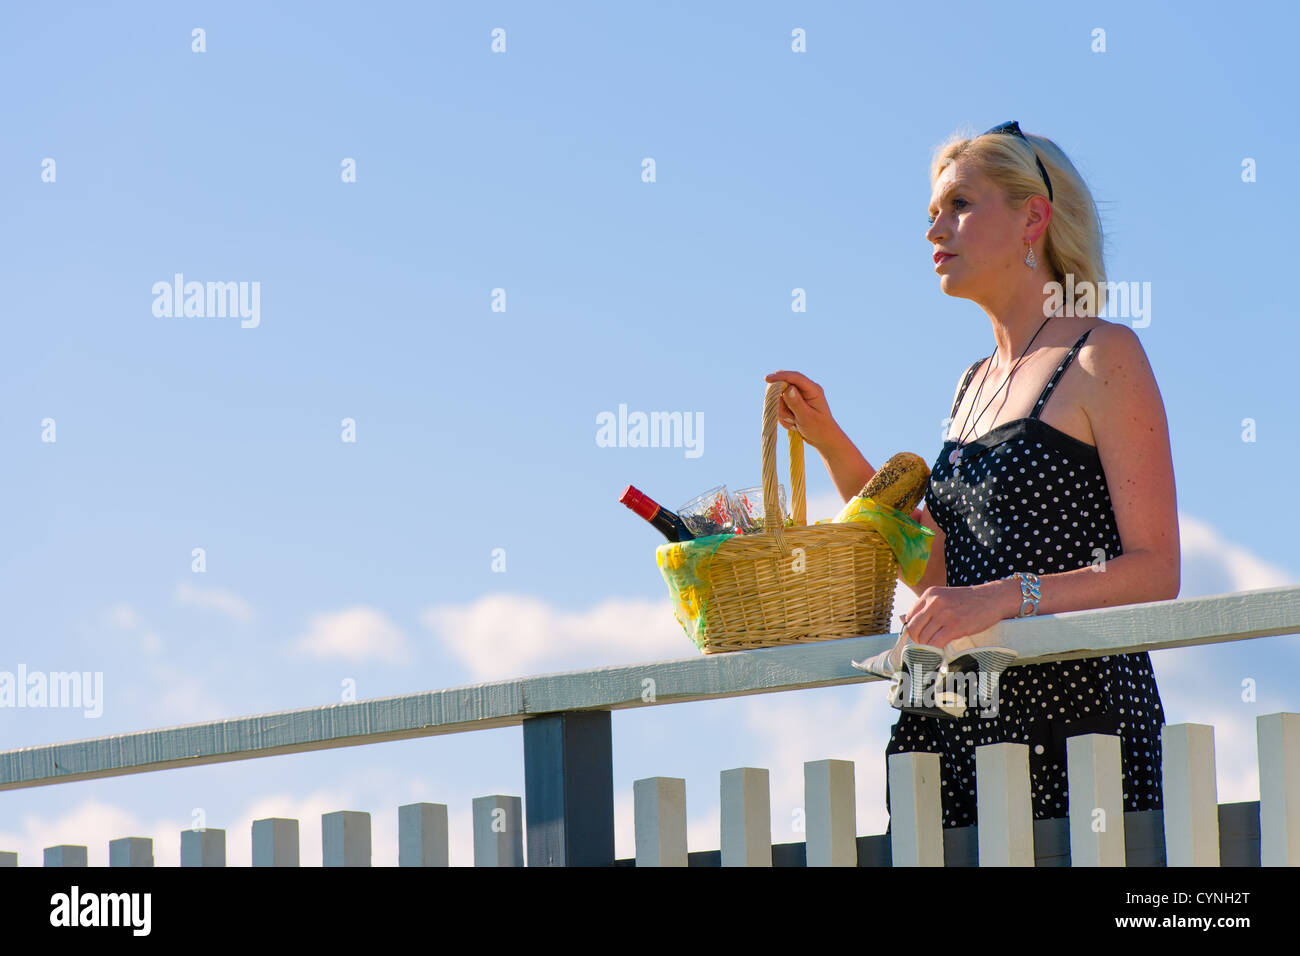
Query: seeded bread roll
{"type": "Point", "coordinates": [900, 483]}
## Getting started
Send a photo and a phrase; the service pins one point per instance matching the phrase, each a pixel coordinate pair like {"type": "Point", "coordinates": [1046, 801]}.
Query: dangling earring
{"type": "Point", "coordinates": [1030, 260]}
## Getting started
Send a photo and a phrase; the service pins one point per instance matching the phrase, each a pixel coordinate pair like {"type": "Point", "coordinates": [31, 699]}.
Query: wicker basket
{"type": "Point", "coordinates": [790, 585]}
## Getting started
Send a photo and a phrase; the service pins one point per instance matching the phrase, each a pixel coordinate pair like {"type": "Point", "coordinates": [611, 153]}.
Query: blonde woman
{"type": "Point", "coordinates": [1054, 490]}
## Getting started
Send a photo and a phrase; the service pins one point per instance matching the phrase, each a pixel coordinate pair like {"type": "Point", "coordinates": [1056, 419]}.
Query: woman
{"type": "Point", "coordinates": [1078, 490]}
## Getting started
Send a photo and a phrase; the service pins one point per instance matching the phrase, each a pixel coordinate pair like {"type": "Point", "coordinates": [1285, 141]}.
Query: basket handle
{"type": "Point", "coordinates": [771, 503]}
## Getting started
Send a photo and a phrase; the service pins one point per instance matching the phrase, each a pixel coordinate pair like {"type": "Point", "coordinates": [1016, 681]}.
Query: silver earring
{"type": "Point", "coordinates": [1030, 260]}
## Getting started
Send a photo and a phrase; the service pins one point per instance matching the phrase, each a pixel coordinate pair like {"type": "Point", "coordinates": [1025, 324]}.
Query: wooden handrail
{"type": "Point", "coordinates": [1071, 635]}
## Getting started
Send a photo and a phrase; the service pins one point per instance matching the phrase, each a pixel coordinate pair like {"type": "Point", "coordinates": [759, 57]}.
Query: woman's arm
{"type": "Point", "coordinates": [1128, 421]}
{"type": "Point", "coordinates": [848, 469]}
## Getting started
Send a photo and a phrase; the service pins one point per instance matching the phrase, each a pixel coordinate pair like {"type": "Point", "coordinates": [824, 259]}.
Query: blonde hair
{"type": "Point", "coordinates": [1073, 240]}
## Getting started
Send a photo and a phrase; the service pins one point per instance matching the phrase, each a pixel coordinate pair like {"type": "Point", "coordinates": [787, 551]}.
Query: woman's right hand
{"type": "Point", "coordinates": [803, 407]}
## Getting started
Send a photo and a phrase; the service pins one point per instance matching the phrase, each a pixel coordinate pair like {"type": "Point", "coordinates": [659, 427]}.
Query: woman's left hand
{"type": "Point", "coordinates": [942, 615]}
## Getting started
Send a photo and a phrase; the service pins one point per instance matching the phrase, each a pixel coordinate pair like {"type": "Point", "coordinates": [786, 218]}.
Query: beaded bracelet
{"type": "Point", "coordinates": [1029, 592]}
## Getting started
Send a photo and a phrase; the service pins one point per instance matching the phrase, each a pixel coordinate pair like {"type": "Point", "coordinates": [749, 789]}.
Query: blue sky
{"type": "Point", "coordinates": [372, 560]}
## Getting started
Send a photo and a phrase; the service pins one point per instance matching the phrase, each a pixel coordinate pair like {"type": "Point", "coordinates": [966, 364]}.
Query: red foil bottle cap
{"type": "Point", "coordinates": [638, 502]}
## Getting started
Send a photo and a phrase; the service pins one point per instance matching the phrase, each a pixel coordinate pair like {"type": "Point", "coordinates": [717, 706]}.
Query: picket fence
{"type": "Point", "coordinates": [566, 817]}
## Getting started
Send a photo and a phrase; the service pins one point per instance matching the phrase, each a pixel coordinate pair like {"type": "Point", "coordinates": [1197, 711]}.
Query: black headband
{"type": "Point", "coordinates": [1014, 129]}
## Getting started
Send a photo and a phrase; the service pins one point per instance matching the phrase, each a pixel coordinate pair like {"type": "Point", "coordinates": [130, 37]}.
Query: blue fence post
{"type": "Point", "coordinates": [569, 789]}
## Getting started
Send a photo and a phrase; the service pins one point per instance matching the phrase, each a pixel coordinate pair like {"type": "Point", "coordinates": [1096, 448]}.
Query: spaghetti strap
{"type": "Point", "coordinates": [1060, 370]}
{"type": "Point", "coordinates": [966, 381]}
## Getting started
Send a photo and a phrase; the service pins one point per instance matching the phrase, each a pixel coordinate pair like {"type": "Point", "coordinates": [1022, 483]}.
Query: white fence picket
{"type": "Point", "coordinates": [345, 838]}
{"type": "Point", "coordinates": [275, 842]}
{"type": "Point", "coordinates": [1094, 775]}
{"type": "Point", "coordinates": [203, 847]}
{"type": "Point", "coordinates": [916, 815]}
{"type": "Point", "coordinates": [659, 821]}
{"type": "Point", "coordinates": [1278, 739]}
{"type": "Point", "coordinates": [1189, 794]}
{"type": "Point", "coordinates": [130, 851]}
{"type": "Point", "coordinates": [830, 813]}
{"type": "Point", "coordinates": [65, 854]}
{"type": "Point", "coordinates": [746, 817]}
{"type": "Point", "coordinates": [1002, 802]}
{"type": "Point", "coordinates": [422, 835]}
{"type": "Point", "coordinates": [498, 831]}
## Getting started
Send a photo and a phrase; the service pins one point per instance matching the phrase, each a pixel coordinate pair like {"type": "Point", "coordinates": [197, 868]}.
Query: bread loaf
{"type": "Point", "coordinates": [900, 483]}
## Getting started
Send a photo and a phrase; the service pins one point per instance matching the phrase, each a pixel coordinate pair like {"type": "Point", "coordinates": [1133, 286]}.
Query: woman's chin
{"type": "Point", "coordinates": [956, 289]}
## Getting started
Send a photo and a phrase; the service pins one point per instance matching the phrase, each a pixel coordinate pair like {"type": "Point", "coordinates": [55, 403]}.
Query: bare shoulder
{"type": "Point", "coordinates": [1113, 349]}
{"type": "Point", "coordinates": [1120, 374]}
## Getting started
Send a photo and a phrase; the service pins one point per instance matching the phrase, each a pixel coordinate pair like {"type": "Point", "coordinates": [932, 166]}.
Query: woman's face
{"type": "Point", "coordinates": [985, 236]}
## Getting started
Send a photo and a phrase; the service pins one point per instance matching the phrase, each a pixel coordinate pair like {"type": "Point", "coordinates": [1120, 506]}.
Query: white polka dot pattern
{"type": "Point", "coordinates": [1028, 497]}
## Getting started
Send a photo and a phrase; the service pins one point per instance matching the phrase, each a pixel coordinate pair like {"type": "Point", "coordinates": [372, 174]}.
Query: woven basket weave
{"type": "Point", "coordinates": [800, 584]}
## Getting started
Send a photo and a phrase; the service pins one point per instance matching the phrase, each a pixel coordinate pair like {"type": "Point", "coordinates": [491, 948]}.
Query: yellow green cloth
{"type": "Point", "coordinates": [685, 566]}
{"type": "Point", "coordinates": [907, 538]}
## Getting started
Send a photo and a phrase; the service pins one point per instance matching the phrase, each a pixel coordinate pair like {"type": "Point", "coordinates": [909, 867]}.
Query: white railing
{"type": "Point", "coordinates": [568, 766]}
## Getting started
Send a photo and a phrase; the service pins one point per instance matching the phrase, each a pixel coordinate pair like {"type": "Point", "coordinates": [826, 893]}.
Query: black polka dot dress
{"type": "Point", "coordinates": [1027, 497]}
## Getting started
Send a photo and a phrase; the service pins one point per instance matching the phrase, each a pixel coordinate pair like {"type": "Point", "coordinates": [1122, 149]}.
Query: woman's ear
{"type": "Point", "coordinates": [1038, 214]}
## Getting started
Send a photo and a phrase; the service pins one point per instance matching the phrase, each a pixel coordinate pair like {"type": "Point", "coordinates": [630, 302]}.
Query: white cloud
{"type": "Point", "coordinates": [91, 824]}
{"type": "Point", "coordinates": [308, 810]}
{"type": "Point", "coordinates": [505, 635]}
{"type": "Point", "coordinates": [1211, 564]}
{"type": "Point", "coordinates": [1236, 748]}
{"type": "Point", "coordinates": [356, 634]}
{"type": "Point", "coordinates": [213, 599]}
{"type": "Point", "coordinates": [123, 616]}
{"type": "Point", "coordinates": [181, 698]}
{"type": "Point", "coordinates": [381, 790]}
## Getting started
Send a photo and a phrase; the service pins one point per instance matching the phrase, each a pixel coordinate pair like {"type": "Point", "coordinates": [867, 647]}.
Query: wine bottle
{"type": "Point", "coordinates": [668, 522]}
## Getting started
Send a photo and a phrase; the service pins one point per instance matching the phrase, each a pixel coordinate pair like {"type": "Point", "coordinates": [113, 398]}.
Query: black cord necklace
{"type": "Point", "coordinates": [954, 457]}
